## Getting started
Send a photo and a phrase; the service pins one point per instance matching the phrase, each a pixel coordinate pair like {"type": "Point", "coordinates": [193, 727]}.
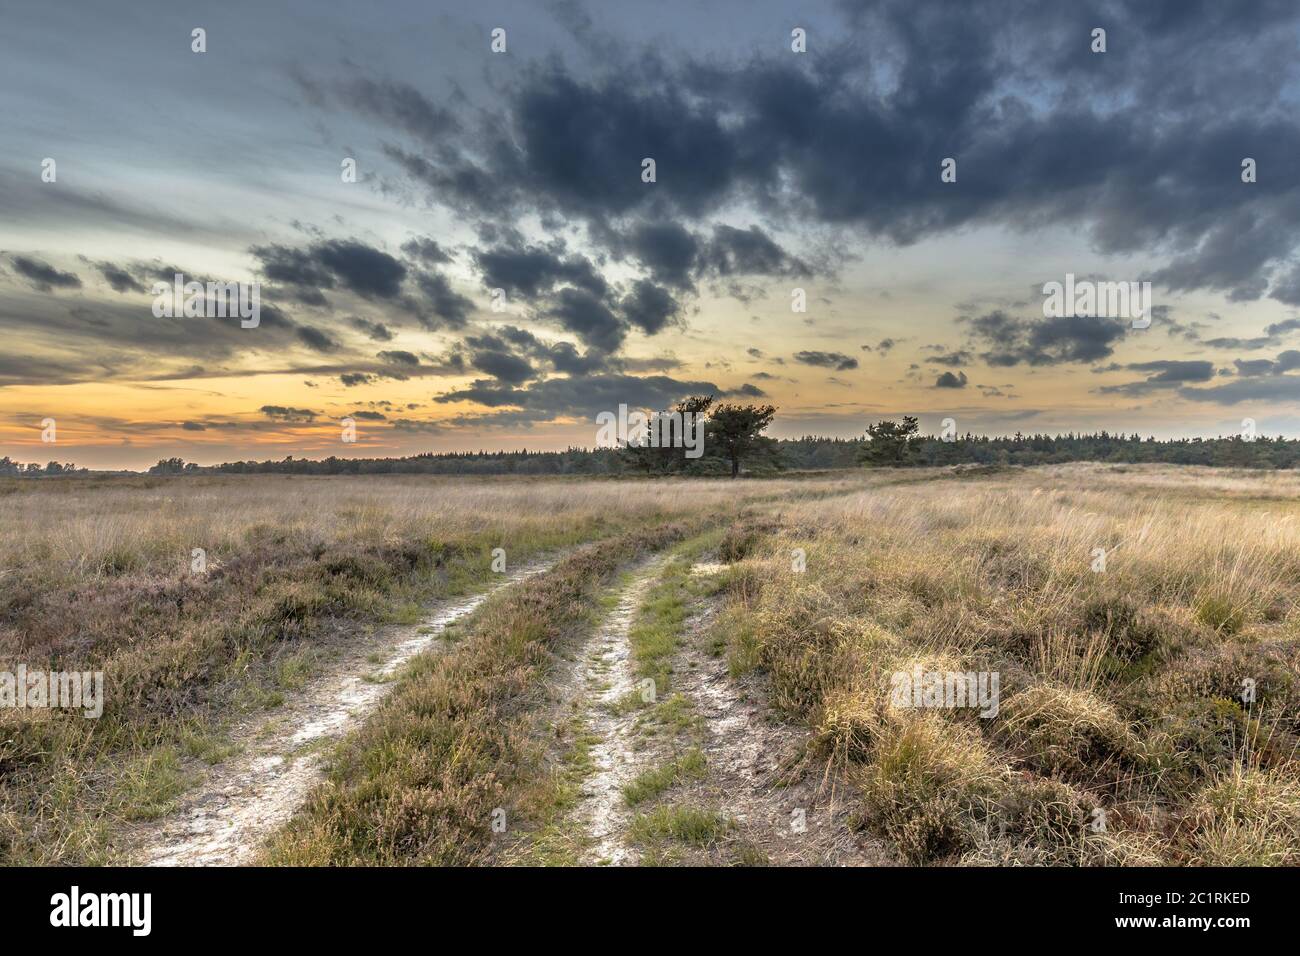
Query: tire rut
{"type": "Point", "coordinates": [756, 772]}
{"type": "Point", "coordinates": [224, 821]}
{"type": "Point", "coordinates": [606, 677]}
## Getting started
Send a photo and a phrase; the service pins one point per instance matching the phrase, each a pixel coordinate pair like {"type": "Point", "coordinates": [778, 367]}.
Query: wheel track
{"type": "Point", "coordinates": [242, 801]}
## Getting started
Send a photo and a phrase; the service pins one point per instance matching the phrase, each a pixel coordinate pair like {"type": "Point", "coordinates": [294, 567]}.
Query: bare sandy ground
{"type": "Point", "coordinates": [754, 776]}
{"type": "Point", "coordinates": [608, 678]}
{"type": "Point", "coordinates": [224, 820]}
{"type": "Point", "coordinates": [754, 766]}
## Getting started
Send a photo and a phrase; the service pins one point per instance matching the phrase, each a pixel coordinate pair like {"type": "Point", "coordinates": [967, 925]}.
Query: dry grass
{"type": "Point", "coordinates": [1121, 735]}
{"type": "Point", "coordinates": [1120, 707]}
{"type": "Point", "coordinates": [420, 782]}
{"type": "Point", "coordinates": [96, 575]}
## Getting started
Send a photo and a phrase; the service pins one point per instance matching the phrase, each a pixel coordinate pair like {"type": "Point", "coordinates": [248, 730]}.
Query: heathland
{"type": "Point", "coordinates": [691, 670]}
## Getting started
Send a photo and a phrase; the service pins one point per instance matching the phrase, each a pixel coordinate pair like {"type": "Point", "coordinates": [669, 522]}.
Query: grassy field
{"type": "Point", "coordinates": [1122, 736]}
{"type": "Point", "coordinates": [99, 575]}
{"type": "Point", "coordinates": [1142, 624]}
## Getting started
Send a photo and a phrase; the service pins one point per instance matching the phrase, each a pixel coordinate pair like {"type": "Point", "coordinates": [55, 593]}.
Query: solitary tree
{"type": "Point", "coordinates": [891, 444]}
{"type": "Point", "coordinates": [735, 433]}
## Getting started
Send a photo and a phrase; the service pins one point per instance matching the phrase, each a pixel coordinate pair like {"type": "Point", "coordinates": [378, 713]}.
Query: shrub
{"type": "Point", "coordinates": [1059, 730]}
{"type": "Point", "coordinates": [1131, 634]}
{"type": "Point", "coordinates": [1247, 817]}
{"type": "Point", "coordinates": [928, 788]}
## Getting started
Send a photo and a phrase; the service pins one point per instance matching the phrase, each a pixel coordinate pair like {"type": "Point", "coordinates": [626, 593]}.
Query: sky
{"type": "Point", "coordinates": [499, 270]}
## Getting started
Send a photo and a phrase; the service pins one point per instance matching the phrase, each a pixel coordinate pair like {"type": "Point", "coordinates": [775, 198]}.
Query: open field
{"type": "Point", "coordinates": [692, 671]}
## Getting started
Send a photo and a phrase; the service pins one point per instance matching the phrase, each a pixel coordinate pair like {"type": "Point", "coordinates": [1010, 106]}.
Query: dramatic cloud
{"type": "Point", "coordinates": [586, 316]}
{"type": "Point", "coordinates": [425, 250]}
{"type": "Point", "coordinates": [649, 307]}
{"type": "Point", "coordinates": [44, 276]}
{"type": "Point", "coordinates": [1270, 389]}
{"type": "Point", "coordinates": [355, 266]}
{"type": "Point", "coordinates": [503, 366]}
{"type": "Point", "coordinates": [400, 104]}
{"type": "Point", "coordinates": [667, 249]}
{"type": "Point", "coordinates": [119, 280]}
{"type": "Point", "coordinates": [748, 252]}
{"type": "Point", "coordinates": [288, 414]}
{"type": "Point", "coordinates": [400, 357]}
{"type": "Point", "coordinates": [835, 360]}
{"type": "Point", "coordinates": [577, 398]}
{"type": "Point", "coordinates": [523, 173]}
{"type": "Point", "coordinates": [952, 359]}
{"type": "Point", "coordinates": [376, 331]}
{"type": "Point", "coordinates": [531, 271]}
{"type": "Point", "coordinates": [1011, 341]}
{"type": "Point", "coordinates": [1166, 374]}
{"type": "Point", "coordinates": [789, 135]}
{"type": "Point", "coordinates": [449, 307]}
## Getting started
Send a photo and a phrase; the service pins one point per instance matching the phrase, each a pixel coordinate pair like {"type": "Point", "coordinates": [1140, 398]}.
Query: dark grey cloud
{"type": "Point", "coordinates": [531, 271]}
{"type": "Point", "coordinates": [567, 359]}
{"type": "Point", "coordinates": [1286, 287]}
{"type": "Point", "coordinates": [949, 380]}
{"type": "Point", "coordinates": [1037, 139]}
{"type": "Point", "coordinates": [1050, 341]}
{"type": "Point", "coordinates": [367, 271]}
{"type": "Point", "coordinates": [449, 308]}
{"type": "Point", "coordinates": [43, 276]}
{"type": "Point", "coordinates": [425, 250]}
{"type": "Point", "coordinates": [1239, 344]}
{"type": "Point", "coordinates": [1283, 327]}
{"type": "Point", "coordinates": [119, 338]}
{"type": "Point", "coordinates": [667, 249]}
{"type": "Point", "coordinates": [315, 339]}
{"type": "Point", "coordinates": [588, 317]}
{"type": "Point", "coordinates": [1164, 374]}
{"type": "Point", "coordinates": [953, 359]}
{"type": "Point", "coordinates": [650, 307]}
{"type": "Point", "coordinates": [399, 104]}
{"type": "Point", "coordinates": [376, 331]}
{"type": "Point", "coordinates": [288, 413]}
{"type": "Point", "coordinates": [400, 357]}
{"type": "Point", "coordinates": [513, 354]}
{"type": "Point", "coordinates": [575, 397]}
{"type": "Point", "coordinates": [1285, 362]}
{"type": "Point", "coordinates": [118, 279]}
{"type": "Point", "coordinates": [503, 366]}
{"type": "Point", "coordinates": [1262, 389]}
{"type": "Point", "coordinates": [370, 273]}
{"type": "Point", "coordinates": [836, 360]}
{"type": "Point", "coordinates": [750, 251]}
{"type": "Point", "coordinates": [335, 263]}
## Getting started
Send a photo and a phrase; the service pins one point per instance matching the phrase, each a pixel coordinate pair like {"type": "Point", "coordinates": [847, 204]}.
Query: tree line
{"type": "Point", "coordinates": [17, 469]}
{"type": "Point", "coordinates": [735, 443]}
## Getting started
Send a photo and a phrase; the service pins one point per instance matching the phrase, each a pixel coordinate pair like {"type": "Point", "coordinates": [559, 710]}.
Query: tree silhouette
{"type": "Point", "coordinates": [735, 433]}
{"type": "Point", "coordinates": [891, 444]}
